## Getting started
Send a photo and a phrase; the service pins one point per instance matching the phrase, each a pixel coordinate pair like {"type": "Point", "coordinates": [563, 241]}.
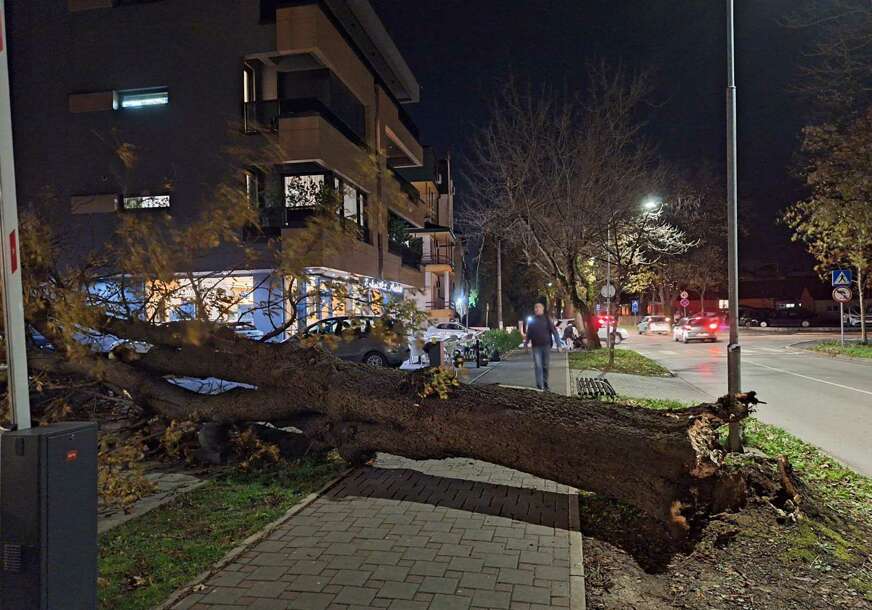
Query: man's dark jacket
{"type": "Point", "coordinates": [541, 332]}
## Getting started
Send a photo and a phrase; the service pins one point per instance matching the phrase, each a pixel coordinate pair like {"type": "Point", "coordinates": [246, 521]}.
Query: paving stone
{"type": "Point", "coordinates": [345, 562]}
{"type": "Point", "coordinates": [307, 566]}
{"type": "Point", "coordinates": [552, 573]}
{"type": "Point", "coordinates": [393, 573]}
{"type": "Point", "coordinates": [466, 564]}
{"type": "Point", "coordinates": [450, 602]}
{"type": "Point", "coordinates": [472, 580]}
{"type": "Point", "coordinates": [311, 601]}
{"type": "Point", "coordinates": [483, 533]}
{"type": "Point", "coordinates": [226, 579]}
{"type": "Point", "coordinates": [266, 589]}
{"type": "Point", "coordinates": [536, 557]}
{"type": "Point", "coordinates": [455, 550]}
{"type": "Point", "coordinates": [515, 577]}
{"type": "Point", "coordinates": [501, 560]}
{"type": "Point", "coordinates": [354, 578]}
{"type": "Point", "coordinates": [308, 582]}
{"type": "Point", "coordinates": [533, 595]}
{"type": "Point", "coordinates": [419, 554]}
{"type": "Point", "coordinates": [266, 573]}
{"type": "Point", "coordinates": [222, 595]}
{"type": "Point", "coordinates": [398, 590]}
{"type": "Point", "coordinates": [268, 604]}
{"type": "Point", "coordinates": [428, 568]}
{"type": "Point", "coordinates": [407, 604]}
{"type": "Point", "coordinates": [491, 599]}
{"type": "Point", "coordinates": [355, 596]}
{"type": "Point", "coordinates": [436, 584]}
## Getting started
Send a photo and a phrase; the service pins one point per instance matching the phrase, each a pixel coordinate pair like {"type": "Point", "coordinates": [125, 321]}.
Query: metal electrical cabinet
{"type": "Point", "coordinates": [48, 518]}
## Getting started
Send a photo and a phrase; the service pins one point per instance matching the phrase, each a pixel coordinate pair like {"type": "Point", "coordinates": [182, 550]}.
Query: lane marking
{"type": "Point", "coordinates": [832, 383]}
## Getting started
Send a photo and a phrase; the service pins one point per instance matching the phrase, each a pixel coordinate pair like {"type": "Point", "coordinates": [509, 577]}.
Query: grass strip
{"type": "Point", "coordinates": [144, 560]}
{"type": "Point", "coordinates": [626, 361]}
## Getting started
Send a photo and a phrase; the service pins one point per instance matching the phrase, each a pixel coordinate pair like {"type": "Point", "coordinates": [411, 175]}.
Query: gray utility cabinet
{"type": "Point", "coordinates": [48, 518]}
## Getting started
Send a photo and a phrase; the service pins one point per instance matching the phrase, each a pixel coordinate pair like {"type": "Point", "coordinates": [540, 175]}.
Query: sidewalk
{"type": "Point", "coordinates": [516, 369]}
{"type": "Point", "coordinates": [428, 535]}
{"type": "Point", "coordinates": [638, 386]}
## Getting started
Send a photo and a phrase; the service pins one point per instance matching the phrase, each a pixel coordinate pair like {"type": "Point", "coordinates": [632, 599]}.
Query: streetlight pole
{"type": "Point", "coordinates": [734, 352]}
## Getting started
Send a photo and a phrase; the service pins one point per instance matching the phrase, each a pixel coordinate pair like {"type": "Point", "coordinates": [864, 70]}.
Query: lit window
{"type": "Point", "coordinates": [303, 191]}
{"type": "Point", "coordinates": [252, 188]}
{"type": "Point", "coordinates": [146, 202]}
{"type": "Point", "coordinates": [142, 98]}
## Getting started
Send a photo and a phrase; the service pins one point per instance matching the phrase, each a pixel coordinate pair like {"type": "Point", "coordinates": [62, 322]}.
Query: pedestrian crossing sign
{"type": "Point", "coordinates": [842, 277]}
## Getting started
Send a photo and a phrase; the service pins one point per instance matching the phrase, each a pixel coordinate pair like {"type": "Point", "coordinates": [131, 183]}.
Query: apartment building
{"type": "Point", "coordinates": [321, 81]}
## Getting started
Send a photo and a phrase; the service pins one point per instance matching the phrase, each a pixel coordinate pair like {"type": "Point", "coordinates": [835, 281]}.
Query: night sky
{"type": "Point", "coordinates": [461, 50]}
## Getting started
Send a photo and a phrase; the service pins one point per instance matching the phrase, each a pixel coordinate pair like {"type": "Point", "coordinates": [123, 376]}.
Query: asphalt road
{"type": "Point", "coordinates": [822, 400]}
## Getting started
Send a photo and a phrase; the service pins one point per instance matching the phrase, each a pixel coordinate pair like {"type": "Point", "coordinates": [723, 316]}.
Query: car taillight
{"type": "Point", "coordinates": [713, 326]}
{"type": "Point", "coordinates": [666, 320]}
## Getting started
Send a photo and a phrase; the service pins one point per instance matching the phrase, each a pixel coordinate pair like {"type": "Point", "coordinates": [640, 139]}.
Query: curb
{"type": "Point", "coordinates": [806, 346]}
{"type": "Point", "coordinates": [185, 590]}
{"type": "Point", "coordinates": [577, 593]}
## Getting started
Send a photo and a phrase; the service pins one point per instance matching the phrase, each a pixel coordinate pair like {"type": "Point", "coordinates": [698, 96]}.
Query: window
{"type": "Point", "coordinates": [143, 98]}
{"type": "Point", "coordinates": [253, 187]}
{"type": "Point", "coordinates": [248, 83]}
{"type": "Point", "coordinates": [146, 202]}
{"type": "Point", "coordinates": [353, 202]}
{"type": "Point", "coordinates": [303, 191]}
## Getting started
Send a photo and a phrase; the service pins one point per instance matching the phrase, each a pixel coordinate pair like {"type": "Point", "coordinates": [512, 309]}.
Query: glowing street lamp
{"type": "Point", "coordinates": [651, 204]}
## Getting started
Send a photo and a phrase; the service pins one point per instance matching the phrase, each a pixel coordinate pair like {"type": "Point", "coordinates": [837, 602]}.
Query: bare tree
{"type": "Point", "coordinates": [550, 172]}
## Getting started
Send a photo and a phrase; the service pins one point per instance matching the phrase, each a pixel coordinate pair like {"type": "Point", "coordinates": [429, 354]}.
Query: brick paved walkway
{"type": "Point", "coordinates": [414, 535]}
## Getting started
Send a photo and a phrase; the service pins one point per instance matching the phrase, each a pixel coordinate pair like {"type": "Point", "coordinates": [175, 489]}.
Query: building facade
{"type": "Point", "coordinates": [318, 83]}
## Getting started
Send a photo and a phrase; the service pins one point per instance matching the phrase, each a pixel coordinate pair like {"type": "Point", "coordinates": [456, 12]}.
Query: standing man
{"type": "Point", "coordinates": [542, 334]}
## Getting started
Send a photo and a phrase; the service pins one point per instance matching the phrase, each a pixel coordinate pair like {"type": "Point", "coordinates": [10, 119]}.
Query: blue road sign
{"type": "Point", "coordinates": [842, 277]}
{"type": "Point", "coordinates": [597, 307]}
{"type": "Point", "coordinates": [634, 305]}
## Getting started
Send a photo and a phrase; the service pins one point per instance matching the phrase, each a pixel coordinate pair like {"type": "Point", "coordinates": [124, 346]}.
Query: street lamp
{"type": "Point", "coordinates": [734, 353]}
{"type": "Point", "coordinates": [651, 204]}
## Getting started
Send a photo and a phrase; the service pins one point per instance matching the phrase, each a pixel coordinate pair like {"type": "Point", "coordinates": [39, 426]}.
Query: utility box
{"type": "Point", "coordinates": [48, 518]}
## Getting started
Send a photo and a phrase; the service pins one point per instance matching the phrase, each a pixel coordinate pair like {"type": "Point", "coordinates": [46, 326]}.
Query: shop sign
{"type": "Point", "coordinates": [382, 285]}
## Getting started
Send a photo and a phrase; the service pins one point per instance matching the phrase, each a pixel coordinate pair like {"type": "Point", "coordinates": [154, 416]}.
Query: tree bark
{"type": "Point", "coordinates": [665, 463]}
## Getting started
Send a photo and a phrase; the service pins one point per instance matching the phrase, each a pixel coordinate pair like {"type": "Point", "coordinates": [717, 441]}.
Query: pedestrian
{"type": "Point", "coordinates": [569, 336]}
{"type": "Point", "coordinates": [542, 334]}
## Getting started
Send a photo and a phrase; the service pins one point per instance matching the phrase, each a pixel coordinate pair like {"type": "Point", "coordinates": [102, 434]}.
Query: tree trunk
{"type": "Point", "coordinates": [585, 319]}
{"type": "Point", "coordinates": [665, 463]}
{"type": "Point", "coordinates": [499, 284]}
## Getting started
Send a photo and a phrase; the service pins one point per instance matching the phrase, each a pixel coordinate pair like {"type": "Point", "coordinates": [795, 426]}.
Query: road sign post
{"type": "Point", "coordinates": [13, 302]}
{"type": "Point", "coordinates": [841, 294]}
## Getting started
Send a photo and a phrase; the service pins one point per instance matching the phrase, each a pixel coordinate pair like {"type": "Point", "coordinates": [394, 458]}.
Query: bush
{"type": "Point", "coordinates": [500, 340]}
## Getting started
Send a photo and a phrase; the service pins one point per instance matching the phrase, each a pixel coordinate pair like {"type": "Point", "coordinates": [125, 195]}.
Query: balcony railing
{"type": "Point", "coordinates": [266, 114]}
{"type": "Point", "coordinates": [440, 256]}
{"type": "Point", "coordinates": [409, 256]}
{"type": "Point", "coordinates": [436, 303]}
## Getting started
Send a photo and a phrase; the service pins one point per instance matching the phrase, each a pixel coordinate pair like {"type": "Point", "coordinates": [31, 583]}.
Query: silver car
{"type": "Point", "coordinates": [353, 338]}
{"type": "Point", "coordinates": [655, 324]}
{"type": "Point", "coordinates": [697, 329]}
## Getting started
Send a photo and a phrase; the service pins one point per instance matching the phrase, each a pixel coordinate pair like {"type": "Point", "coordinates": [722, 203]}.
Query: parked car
{"type": "Point", "coordinates": [852, 317]}
{"type": "Point", "coordinates": [246, 329]}
{"type": "Point", "coordinates": [354, 339]}
{"type": "Point", "coordinates": [561, 325]}
{"type": "Point", "coordinates": [790, 317]}
{"type": "Point", "coordinates": [697, 329]}
{"type": "Point", "coordinates": [621, 335]}
{"type": "Point", "coordinates": [655, 324]}
{"type": "Point", "coordinates": [449, 330]}
{"type": "Point", "coordinates": [753, 317]}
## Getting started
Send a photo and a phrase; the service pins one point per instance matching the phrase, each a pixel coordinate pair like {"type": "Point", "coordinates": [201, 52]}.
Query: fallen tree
{"type": "Point", "coordinates": [669, 464]}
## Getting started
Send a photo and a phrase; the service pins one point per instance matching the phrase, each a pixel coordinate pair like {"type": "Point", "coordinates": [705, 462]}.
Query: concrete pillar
{"type": "Point", "coordinates": [446, 279]}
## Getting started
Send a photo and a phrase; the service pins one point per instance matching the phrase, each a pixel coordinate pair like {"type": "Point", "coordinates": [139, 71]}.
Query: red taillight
{"type": "Point", "coordinates": [713, 326]}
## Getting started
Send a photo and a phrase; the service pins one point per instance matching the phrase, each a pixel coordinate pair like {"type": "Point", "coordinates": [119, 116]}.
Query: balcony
{"type": "Point", "coordinates": [439, 256]}
{"type": "Point", "coordinates": [409, 256]}
{"type": "Point", "coordinates": [265, 115]}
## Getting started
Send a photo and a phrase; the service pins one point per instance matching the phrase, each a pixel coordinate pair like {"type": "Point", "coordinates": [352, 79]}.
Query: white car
{"type": "Point", "coordinates": [852, 318]}
{"type": "Point", "coordinates": [620, 333]}
{"type": "Point", "coordinates": [655, 324]}
{"type": "Point", "coordinates": [448, 330]}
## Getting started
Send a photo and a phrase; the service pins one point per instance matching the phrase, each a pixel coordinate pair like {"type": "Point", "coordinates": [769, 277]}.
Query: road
{"type": "Point", "coordinates": [822, 400]}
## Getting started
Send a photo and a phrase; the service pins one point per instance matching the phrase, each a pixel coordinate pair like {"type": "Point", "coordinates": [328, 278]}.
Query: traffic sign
{"type": "Point", "coordinates": [842, 294]}
{"type": "Point", "coordinates": [634, 306]}
{"type": "Point", "coordinates": [608, 291]}
{"type": "Point", "coordinates": [842, 277]}
{"type": "Point", "coordinates": [684, 294]}
{"type": "Point", "coordinates": [684, 303]}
